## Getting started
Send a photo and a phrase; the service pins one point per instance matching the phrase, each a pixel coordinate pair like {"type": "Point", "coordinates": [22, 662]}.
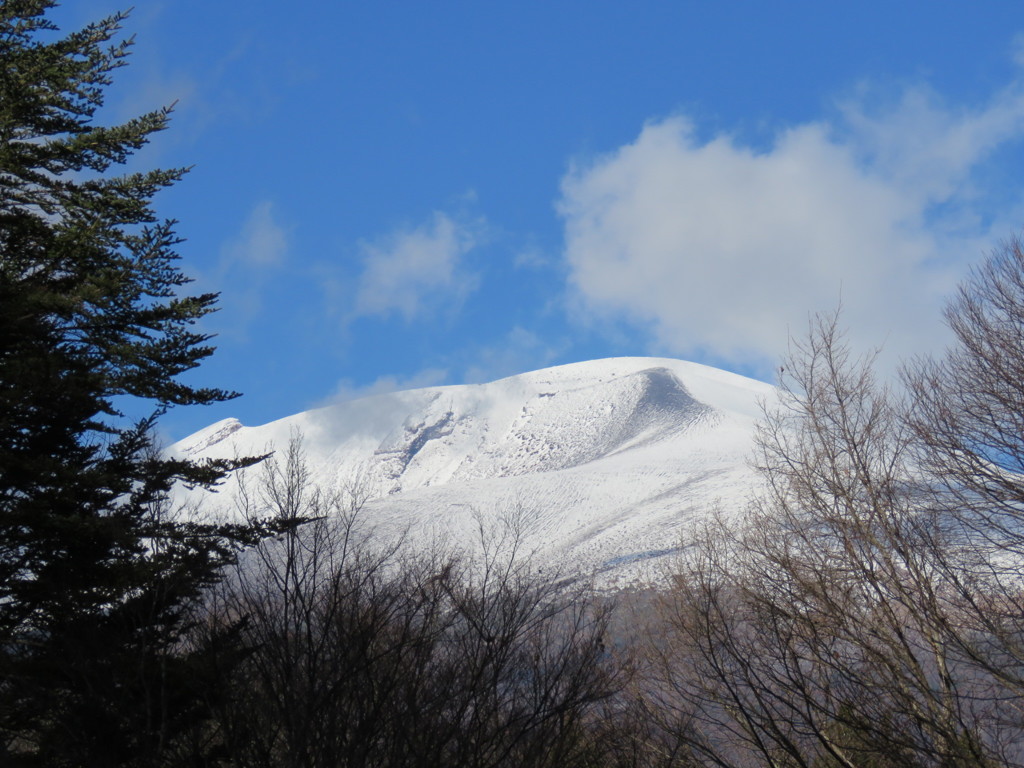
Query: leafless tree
{"type": "Point", "coordinates": [366, 654]}
{"type": "Point", "coordinates": [968, 421]}
{"type": "Point", "coordinates": [814, 632]}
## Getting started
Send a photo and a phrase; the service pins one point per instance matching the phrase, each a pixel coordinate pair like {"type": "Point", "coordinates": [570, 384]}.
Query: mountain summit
{"type": "Point", "coordinates": [602, 464]}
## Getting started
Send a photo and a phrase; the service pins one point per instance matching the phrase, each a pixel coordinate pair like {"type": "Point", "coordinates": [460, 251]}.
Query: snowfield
{"type": "Point", "coordinates": [603, 464]}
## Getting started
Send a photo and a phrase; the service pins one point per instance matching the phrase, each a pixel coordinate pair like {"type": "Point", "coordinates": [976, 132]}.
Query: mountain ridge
{"type": "Point", "coordinates": [611, 459]}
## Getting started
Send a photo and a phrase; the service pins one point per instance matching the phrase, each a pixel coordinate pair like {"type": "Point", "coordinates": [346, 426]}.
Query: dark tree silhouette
{"type": "Point", "coordinates": [95, 574]}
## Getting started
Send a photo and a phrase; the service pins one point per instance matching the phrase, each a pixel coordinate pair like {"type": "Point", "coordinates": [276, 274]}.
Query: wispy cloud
{"type": "Point", "coordinates": [520, 350]}
{"type": "Point", "coordinates": [516, 351]}
{"type": "Point", "coordinates": [413, 270]}
{"type": "Point", "coordinates": [261, 242]}
{"type": "Point", "coordinates": [247, 260]}
{"type": "Point", "coordinates": [347, 390]}
{"type": "Point", "coordinates": [531, 257]}
{"type": "Point", "coordinates": [722, 250]}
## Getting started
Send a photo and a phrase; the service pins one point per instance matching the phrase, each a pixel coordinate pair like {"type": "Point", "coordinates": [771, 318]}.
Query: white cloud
{"type": "Point", "coordinates": [517, 351]}
{"type": "Point", "coordinates": [411, 270]}
{"type": "Point", "coordinates": [531, 257]}
{"type": "Point", "coordinates": [520, 350]}
{"type": "Point", "coordinates": [261, 242]}
{"type": "Point", "coordinates": [346, 390]}
{"type": "Point", "coordinates": [374, 415]}
{"type": "Point", "coordinates": [1017, 49]}
{"type": "Point", "coordinates": [723, 250]}
{"type": "Point", "coordinates": [246, 262]}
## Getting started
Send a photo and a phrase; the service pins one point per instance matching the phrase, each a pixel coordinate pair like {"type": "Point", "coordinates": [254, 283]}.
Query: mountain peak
{"type": "Point", "coordinates": [612, 457]}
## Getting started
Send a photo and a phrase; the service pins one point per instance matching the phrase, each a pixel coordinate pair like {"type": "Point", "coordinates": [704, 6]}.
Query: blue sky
{"type": "Point", "coordinates": [397, 194]}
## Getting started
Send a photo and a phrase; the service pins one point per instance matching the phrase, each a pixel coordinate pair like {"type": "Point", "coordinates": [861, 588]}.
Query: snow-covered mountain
{"type": "Point", "coordinates": [603, 464]}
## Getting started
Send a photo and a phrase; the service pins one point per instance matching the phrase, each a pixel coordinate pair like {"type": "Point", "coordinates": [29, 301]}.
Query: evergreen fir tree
{"type": "Point", "coordinates": [96, 580]}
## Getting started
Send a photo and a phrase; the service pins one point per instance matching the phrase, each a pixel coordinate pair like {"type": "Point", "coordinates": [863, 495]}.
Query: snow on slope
{"type": "Point", "coordinates": [607, 460]}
